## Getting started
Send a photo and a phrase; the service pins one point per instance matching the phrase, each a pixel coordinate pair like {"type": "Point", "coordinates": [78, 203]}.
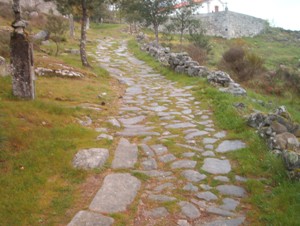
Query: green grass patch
{"type": "Point", "coordinates": [269, 186]}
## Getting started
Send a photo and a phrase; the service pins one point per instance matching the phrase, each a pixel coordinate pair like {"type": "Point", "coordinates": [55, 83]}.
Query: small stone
{"type": "Point", "coordinates": [90, 158]}
{"type": "Point", "coordinates": [207, 195]}
{"type": "Point", "coordinates": [157, 212]}
{"type": "Point", "coordinates": [147, 150]}
{"type": "Point", "coordinates": [167, 158]}
{"type": "Point", "coordinates": [221, 178]}
{"type": "Point", "coordinates": [230, 145]}
{"type": "Point", "coordinates": [159, 149]}
{"type": "Point", "coordinates": [231, 190]}
{"type": "Point", "coordinates": [183, 223]}
{"type": "Point", "coordinates": [229, 204]}
{"type": "Point", "coordinates": [114, 122]}
{"type": "Point", "coordinates": [149, 164]}
{"type": "Point", "coordinates": [220, 135]}
{"type": "Point", "coordinates": [190, 187]}
{"type": "Point", "coordinates": [183, 164]}
{"type": "Point", "coordinates": [193, 176]}
{"type": "Point", "coordinates": [216, 166]}
{"type": "Point", "coordinates": [205, 187]}
{"type": "Point", "coordinates": [209, 140]}
{"type": "Point", "coordinates": [189, 210]}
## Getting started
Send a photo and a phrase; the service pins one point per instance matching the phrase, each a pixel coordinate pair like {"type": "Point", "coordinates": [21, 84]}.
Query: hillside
{"type": "Point", "coordinates": [169, 149]}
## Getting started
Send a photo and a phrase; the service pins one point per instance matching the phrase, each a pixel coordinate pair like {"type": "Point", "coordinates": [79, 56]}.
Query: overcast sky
{"type": "Point", "coordinates": [280, 13]}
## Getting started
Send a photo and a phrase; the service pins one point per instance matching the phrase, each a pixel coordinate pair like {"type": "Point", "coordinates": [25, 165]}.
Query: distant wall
{"type": "Point", "coordinates": [229, 24]}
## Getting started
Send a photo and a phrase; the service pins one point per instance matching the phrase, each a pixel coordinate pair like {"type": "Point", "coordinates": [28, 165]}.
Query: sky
{"type": "Point", "coordinates": [279, 13]}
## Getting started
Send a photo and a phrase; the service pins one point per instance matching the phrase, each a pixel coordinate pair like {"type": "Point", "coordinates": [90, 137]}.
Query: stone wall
{"type": "Point", "coordinates": [229, 24]}
{"type": "Point", "coordinates": [183, 63]}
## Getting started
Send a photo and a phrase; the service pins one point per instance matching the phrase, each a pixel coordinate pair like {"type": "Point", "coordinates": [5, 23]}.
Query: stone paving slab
{"type": "Point", "coordinates": [183, 164]}
{"type": "Point", "coordinates": [87, 218]}
{"type": "Point", "coordinates": [125, 155]}
{"type": "Point", "coordinates": [230, 145]}
{"type": "Point", "coordinates": [117, 192]}
{"type": "Point", "coordinates": [90, 158]}
{"type": "Point", "coordinates": [189, 210]}
{"type": "Point", "coordinates": [216, 166]}
{"type": "Point", "coordinates": [231, 190]}
{"type": "Point", "coordinates": [131, 121]}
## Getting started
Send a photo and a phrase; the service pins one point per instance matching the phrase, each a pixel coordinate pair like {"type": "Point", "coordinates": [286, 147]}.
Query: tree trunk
{"type": "Point", "coordinates": [72, 26]}
{"type": "Point", "coordinates": [83, 35]}
{"type": "Point", "coordinates": [156, 33]}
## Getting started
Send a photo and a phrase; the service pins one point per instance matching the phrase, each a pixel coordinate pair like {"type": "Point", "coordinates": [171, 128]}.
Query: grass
{"type": "Point", "coordinates": [268, 180]}
{"type": "Point", "coordinates": [38, 140]}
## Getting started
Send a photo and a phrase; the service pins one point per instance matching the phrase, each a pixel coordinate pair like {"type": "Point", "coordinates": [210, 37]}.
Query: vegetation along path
{"type": "Point", "coordinates": [170, 165]}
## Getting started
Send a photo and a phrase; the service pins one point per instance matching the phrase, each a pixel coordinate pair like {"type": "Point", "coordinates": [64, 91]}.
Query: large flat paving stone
{"type": "Point", "coordinates": [117, 192]}
{"type": "Point", "coordinates": [230, 145]}
{"type": "Point", "coordinates": [216, 166]}
{"type": "Point", "coordinates": [161, 198]}
{"type": "Point", "coordinates": [90, 158]}
{"type": "Point", "coordinates": [231, 190]}
{"type": "Point", "coordinates": [87, 218]}
{"type": "Point", "coordinates": [125, 155]}
{"type": "Point", "coordinates": [183, 164]}
{"type": "Point", "coordinates": [159, 149]}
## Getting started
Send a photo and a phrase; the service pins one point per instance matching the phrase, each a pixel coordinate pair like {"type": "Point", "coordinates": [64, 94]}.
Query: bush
{"type": "Point", "coordinates": [241, 64]}
{"type": "Point", "coordinates": [197, 54]}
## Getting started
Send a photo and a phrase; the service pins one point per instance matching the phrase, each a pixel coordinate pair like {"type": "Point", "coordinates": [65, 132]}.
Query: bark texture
{"type": "Point", "coordinates": [83, 35]}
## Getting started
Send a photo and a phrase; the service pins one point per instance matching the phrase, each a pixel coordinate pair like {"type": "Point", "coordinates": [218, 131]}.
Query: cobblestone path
{"type": "Point", "coordinates": [170, 165]}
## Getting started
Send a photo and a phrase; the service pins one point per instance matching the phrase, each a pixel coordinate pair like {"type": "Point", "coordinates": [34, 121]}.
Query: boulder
{"type": "Point", "coordinates": [286, 141]}
{"type": "Point", "coordinates": [220, 78]}
{"type": "Point", "coordinates": [292, 160]}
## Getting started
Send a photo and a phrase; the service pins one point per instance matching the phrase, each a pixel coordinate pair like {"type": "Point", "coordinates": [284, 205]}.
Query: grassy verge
{"type": "Point", "coordinates": [273, 199]}
{"type": "Point", "coordinates": [38, 140]}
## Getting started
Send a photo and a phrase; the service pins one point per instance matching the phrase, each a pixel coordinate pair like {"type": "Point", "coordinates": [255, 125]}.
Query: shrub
{"type": "Point", "coordinates": [242, 64]}
{"type": "Point", "coordinates": [197, 54]}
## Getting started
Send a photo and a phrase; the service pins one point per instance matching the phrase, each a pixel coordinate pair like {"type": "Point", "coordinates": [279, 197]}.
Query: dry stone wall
{"type": "Point", "coordinates": [183, 63]}
{"type": "Point", "coordinates": [229, 24]}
